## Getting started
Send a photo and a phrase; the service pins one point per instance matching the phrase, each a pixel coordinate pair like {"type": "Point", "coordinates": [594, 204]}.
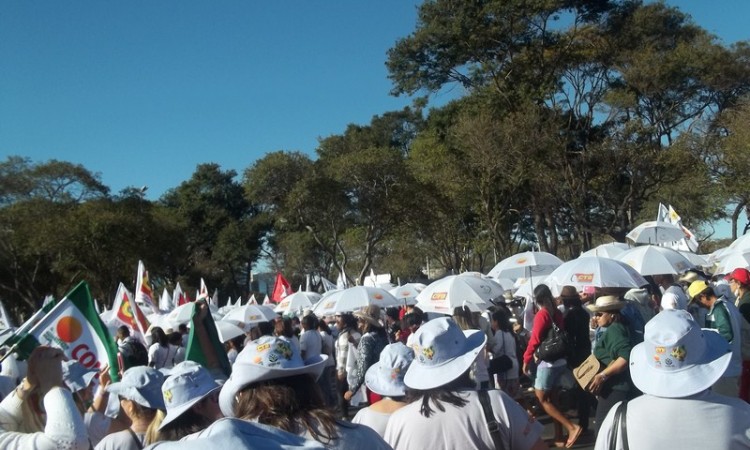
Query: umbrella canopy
{"type": "Point", "coordinates": [297, 302]}
{"type": "Point", "coordinates": [247, 316]}
{"type": "Point", "coordinates": [355, 298]}
{"type": "Point", "coordinates": [655, 232]}
{"type": "Point", "coordinates": [526, 286]}
{"type": "Point", "coordinates": [228, 330]}
{"type": "Point", "coordinates": [443, 295]}
{"type": "Point", "coordinates": [611, 250]}
{"type": "Point", "coordinates": [697, 260]}
{"type": "Point", "coordinates": [525, 265]}
{"type": "Point", "coordinates": [731, 261]}
{"type": "Point", "coordinates": [594, 271]}
{"type": "Point", "coordinates": [408, 292]}
{"type": "Point", "coordinates": [655, 260]}
{"type": "Point", "coordinates": [183, 314]}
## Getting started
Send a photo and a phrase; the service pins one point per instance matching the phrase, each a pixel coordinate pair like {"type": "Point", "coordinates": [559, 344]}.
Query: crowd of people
{"type": "Point", "coordinates": [674, 369]}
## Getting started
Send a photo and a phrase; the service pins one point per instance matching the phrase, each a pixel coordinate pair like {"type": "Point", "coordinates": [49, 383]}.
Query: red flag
{"type": "Point", "coordinates": [128, 313]}
{"type": "Point", "coordinates": [281, 288]}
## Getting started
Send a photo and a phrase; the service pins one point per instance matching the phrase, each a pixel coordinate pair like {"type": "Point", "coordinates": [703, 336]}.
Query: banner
{"type": "Point", "coordinates": [143, 292]}
{"type": "Point", "coordinates": [281, 288]}
{"type": "Point", "coordinates": [128, 313]}
{"type": "Point", "coordinates": [74, 327]}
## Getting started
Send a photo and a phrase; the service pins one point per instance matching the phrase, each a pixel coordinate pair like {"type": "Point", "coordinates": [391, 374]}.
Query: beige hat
{"type": "Point", "coordinates": [689, 277]}
{"type": "Point", "coordinates": [371, 314]}
{"type": "Point", "coordinates": [606, 303]}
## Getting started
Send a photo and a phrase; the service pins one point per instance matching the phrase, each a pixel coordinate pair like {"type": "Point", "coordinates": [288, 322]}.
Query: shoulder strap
{"type": "Point", "coordinates": [492, 424]}
{"type": "Point", "coordinates": [619, 423]}
{"type": "Point", "coordinates": [135, 439]}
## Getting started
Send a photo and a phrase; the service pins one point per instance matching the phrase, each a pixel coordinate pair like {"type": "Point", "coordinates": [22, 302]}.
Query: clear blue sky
{"type": "Point", "coordinates": [142, 91]}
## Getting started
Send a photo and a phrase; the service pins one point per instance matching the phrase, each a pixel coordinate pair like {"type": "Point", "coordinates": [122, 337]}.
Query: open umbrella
{"type": "Point", "coordinates": [353, 299]}
{"type": "Point", "coordinates": [525, 265]}
{"type": "Point", "coordinates": [247, 316]}
{"type": "Point", "coordinates": [445, 294]}
{"type": "Point", "coordinates": [611, 250]}
{"type": "Point", "coordinates": [227, 330]}
{"type": "Point", "coordinates": [183, 313]}
{"type": "Point", "coordinates": [408, 292]}
{"type": "Point", "coordinates": [731, 261]}
{"type": "Point", "coordinates": [297, 302]}
{"type": "Point", "coordinates": [655, 232]}
{"type": "Point", "coordinates": [594, 271]}
{"type": "Point", "coordinates": [655, 260]}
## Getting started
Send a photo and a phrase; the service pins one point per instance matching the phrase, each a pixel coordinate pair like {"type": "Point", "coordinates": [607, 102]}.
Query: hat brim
{"type": "Point", "coordinates": [378, 385]}
{"type": "Point", "coordinates": [245, 374]}
{"type": "Point", "coordinates": [423, 377]}
{"type": "Point", "coordinates": [369, 319]}
{"type": "Point", "coordinates": [606, 308]}
{"type": "Point", "coordinates": [686, 381]}
{"type": "Point", "coordinates": [135, 395]}
{"type": "Point", "coordinates": [177, 411]}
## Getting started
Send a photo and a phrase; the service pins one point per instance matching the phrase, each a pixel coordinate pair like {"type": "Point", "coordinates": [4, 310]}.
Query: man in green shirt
{"type": "Point", "coordinates": [725, 318]}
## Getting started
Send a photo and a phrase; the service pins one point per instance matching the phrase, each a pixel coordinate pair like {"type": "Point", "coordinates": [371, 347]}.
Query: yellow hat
{"type": "Point", "coordinates": [696, 287]}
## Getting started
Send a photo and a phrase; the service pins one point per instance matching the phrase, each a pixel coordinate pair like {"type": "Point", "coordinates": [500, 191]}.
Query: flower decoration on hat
{"type": "Point", "coordinates": [395, 372]}
{"type": "Point", "coordinates": [679, 353]}
{"type": "Point", "coordinates": [168, 395]}
{"type": "Point", "coordinates": [427, 353]}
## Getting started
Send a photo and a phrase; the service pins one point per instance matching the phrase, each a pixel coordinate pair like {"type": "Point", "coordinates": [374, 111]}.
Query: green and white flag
{"type": "Point", "coordinates": [21, 331]}
{"type": "Point", "coordinates": [204, 345]}
{"type": "Point", "coordinates": [74, 327]}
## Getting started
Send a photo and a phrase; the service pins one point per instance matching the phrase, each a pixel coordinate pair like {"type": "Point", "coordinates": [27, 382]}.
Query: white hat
{"type": "Point", "coordinates": [266, 358]}
{"type": "Point", "coordinates": [670, 301]}
{"type": "Point", "coordinates": [187, 385]}
{"type": "Point", "coordinates": [76, 376]}
{"type": "Point", "coordinates": [677, 358]}
{"type": "Point", "coordinates": [142, 385]}
{"type": "Point", "coordinates": [386, 377]}
{"type": "Point", "coordinates": [443, 352]}
{"type": "Point", "coordinates": [640, 296]}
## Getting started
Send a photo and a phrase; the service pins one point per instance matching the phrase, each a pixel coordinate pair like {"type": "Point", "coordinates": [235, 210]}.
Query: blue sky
{"type": "Point", "coordinates": [142, 91]}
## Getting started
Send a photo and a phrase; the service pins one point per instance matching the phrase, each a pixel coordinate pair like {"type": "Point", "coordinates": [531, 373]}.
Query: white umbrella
{"type": "Point", "coordinates": [247, 316]}
{"type": "Point", "coordinates": [655, 260]}
{"type": "Point", "coordinates": [525, 265]}
{"type": "Point", "coordinates": [655, 232]}
{"type": "Point", "coordinates": [355, 298]}
{"type": "Point", "coordinates": [297, 302]}
{"type": "Point", "coordinates": [594, 271]}
{"type": "Point", "coordinates": [697, 260]}
{"type": "Point", "coordinates": [445, 294]}
{"type": "Point", "coordinates": [183, 314]}
{"type": "Point", "coordinates": [227, 330]}
{"type": "Point", "coordinates": [408, 292]}
{"type": "Point", "coordinates": [731, 261]}
{"type": "Point", "coordinates": [526, 288]}
{"type": "Point", "coordinates": [610, 250]}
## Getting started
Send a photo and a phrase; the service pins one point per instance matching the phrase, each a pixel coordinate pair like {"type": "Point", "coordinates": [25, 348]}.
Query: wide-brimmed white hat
{"type": "Point", "coordinates": [442, 353]}
{"type": "Point", "coordinates": [606, 303]}
{"type": "Point", "coordinates": [76, 376]}
{"type": "Point", "coordinates": [266, 358]}
{"type": "Point", "coordinates": [677, 358]}
{"type": "Point", "coordinates": [188, 384]}
{"type": "Point", "coordinates": [142, 385]}
{"type": "Point", "coordinates": [386, 377]}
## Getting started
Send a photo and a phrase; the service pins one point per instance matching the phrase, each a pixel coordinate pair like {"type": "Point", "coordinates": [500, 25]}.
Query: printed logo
{"type": "Point", "coordinates": [69, 329]}
{"type": "Point", "coordinates": [521, 260]}
{"type": "Point", "coordinates": [583, 277]}
{"type": "Point", "coordinates": [438, 296]}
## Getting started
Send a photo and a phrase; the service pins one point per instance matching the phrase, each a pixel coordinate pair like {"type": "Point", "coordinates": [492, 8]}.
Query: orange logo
{"type": "Point", "coordinates": [438, 296]}
{"type": "Point", "coordinates": [378, 296]}
{"type": "Point", "coordinates": [584, 277]}
{"type": "Point", "coordinates": [69, 329]}
{"type": "Point", "coordinates": [521, 260]}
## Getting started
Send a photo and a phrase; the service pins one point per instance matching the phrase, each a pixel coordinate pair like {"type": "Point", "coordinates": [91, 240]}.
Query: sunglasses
{"type": "Point", "coordinates": [599, 314]}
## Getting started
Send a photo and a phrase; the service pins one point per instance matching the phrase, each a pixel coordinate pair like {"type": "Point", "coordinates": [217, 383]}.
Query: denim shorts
{"type": "Point", "coordinates": [548, 377]}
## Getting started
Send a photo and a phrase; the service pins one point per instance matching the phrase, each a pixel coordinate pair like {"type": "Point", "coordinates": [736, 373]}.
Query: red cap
{"type": "Point", "coordinates": [740, 275]}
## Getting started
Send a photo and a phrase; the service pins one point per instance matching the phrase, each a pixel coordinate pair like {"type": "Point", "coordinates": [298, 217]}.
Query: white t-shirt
{"type": "Point", "coordinates": [161, 357]}
{"type": "Point", "coordinates": [310, 343]}
{"type": "Point", "coordinates": [505, 344]}
{"type": "Point", "coordinates": [702, 421]}
{"type": "Point", "coordinates": [327, 348]}
{"type": "Point", "coordinates": [122, 440]}
{"type": "Point", "coordinates": [464, 427]}
{"type": "Point", "coordinates": [354, 436]}
{"type": "Point", "coordinates": [373, 419]}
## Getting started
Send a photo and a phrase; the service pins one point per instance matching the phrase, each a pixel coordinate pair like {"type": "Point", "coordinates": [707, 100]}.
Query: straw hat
{"type": "Point", "coordinates": [677, 358]}
{"type": "Point", "coordinates": [606, 303]}
{"type": "Point", "coordinates": [371, 314]}
{"type": "Point", "coordinates": [266, 358]}
{"type": "Point", "coordinates": [443, 353]}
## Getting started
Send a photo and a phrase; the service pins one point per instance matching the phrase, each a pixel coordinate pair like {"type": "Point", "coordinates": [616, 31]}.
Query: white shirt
{"type": "Point", "coordinates": [310, 343]}
{"type": "Point", "coordinates": [702, 421]}
{"type": "Point", "coordinates": [464, 427]}
{"type": "Point", "coordinates": [161, 357]}
{"type": "Point", "coordinates": [373, 419]}
{"type": "Point", "coordinates": [505, 344]}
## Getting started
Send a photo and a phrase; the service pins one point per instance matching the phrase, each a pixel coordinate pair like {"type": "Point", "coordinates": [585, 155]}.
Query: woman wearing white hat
{"type": "Point", "coordinates": [386, 378]}
{"type": "Point", "coordinates": [445, 412]}
{"type": "Point", "coordinates": [612, 384]}
{"type": "Point", "coordinates": [272, 385]}
{"type": "Point", "coordinates": [674, 367]}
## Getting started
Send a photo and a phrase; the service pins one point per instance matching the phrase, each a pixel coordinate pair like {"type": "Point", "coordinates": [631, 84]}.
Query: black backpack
{"type": "Point", "coordinates": [134, 354]}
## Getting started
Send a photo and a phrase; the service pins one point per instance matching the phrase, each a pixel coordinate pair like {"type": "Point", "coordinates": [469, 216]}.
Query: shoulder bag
{"type": "Point", "coordinates": [492, 423]}
{"type": "Point", "coordinates": [619, 425]}
{"type": "Point", "coordinates": [555, 344]}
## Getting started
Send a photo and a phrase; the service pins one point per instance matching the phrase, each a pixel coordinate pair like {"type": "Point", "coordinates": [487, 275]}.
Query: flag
{"type": "Point", "coordinates": [165, 302]}
{"type": "Point", "coordinates": [267, 301]}
{"type": "Point", "coordinates": [689, 242]}
{"type": "Point", "coordinates": [202, 294]}
{"type": "Point", "coordinates": [208, 351]}
{"type": "Point", "coordinates": [341, 281]}
{"type": "Point", "coordinates": [143, 292]}
{"type": "Point", "coordinates": [215, 298]}
{"type": "Point", "coordinates": [74, 327]}
{"type": "Point", "coordinates": [307, 283]}
{"type": "Point", "coordinates": [251, 300]}
{"type": "Point", "coordinates": [49, 303]}
{"type": "Point", "coordinates": [178, 297]}
{"type": "Point", "coordinates": [663, 214]}
{"type": "Point", "coordinates": [281, 288]}
{"type": "Point", "coordinates": [327, 284]}
{"type": "Point", "coordinates": [129, 313]}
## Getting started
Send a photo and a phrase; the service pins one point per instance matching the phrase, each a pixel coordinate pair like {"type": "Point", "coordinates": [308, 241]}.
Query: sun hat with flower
{"type": "Point", "coordinates": [443, 352]}
{"type": "Point", "coordinates": [386, 377]}
{"type": "Point", "coordinates": [266, 358]}
{"type": "Point", "coordinates": [188, 384]}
